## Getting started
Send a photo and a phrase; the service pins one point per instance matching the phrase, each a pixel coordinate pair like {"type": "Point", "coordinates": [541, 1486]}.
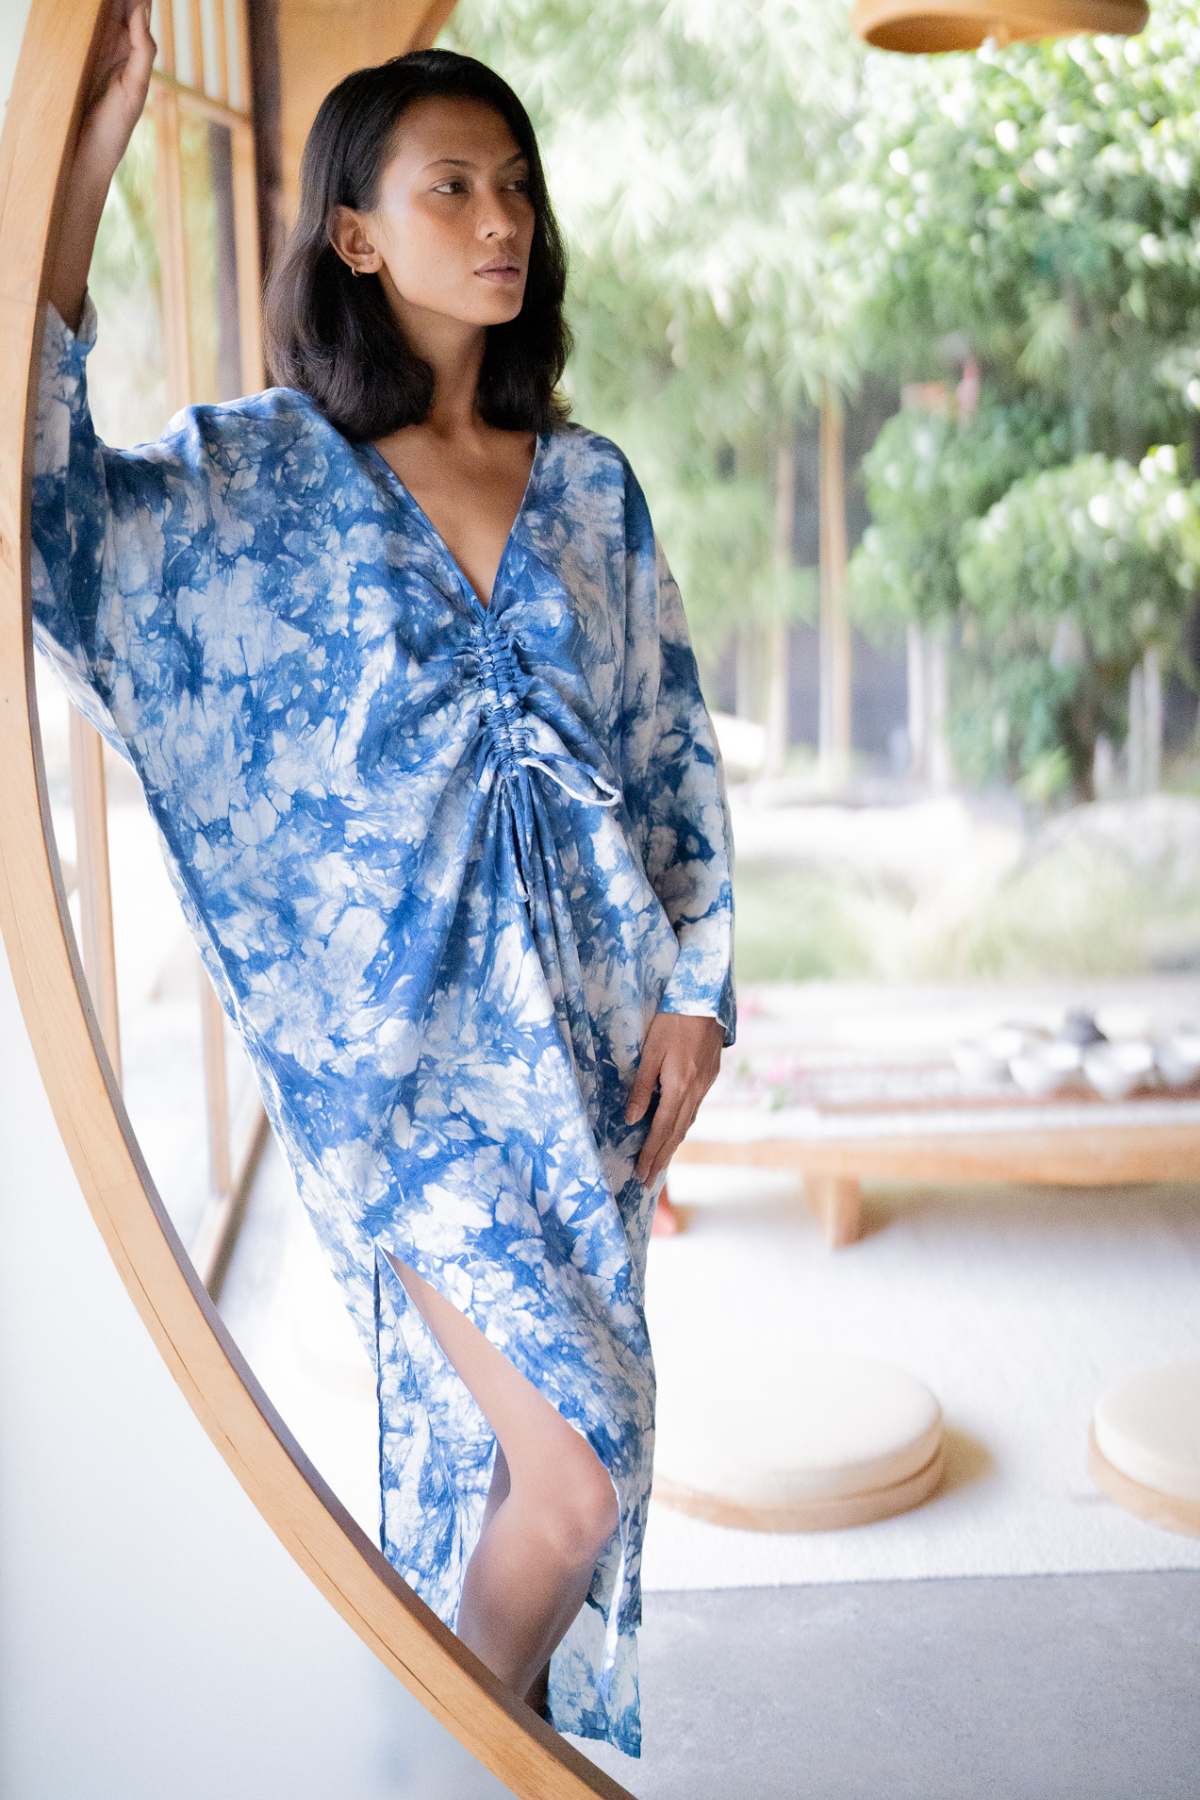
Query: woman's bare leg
{"type": "Point", "coordinates": [498, 1492]}
{"type": "Point", "coordinates": [501, 1483]}
{"type": "Point", "coordinates": [550, 1511]}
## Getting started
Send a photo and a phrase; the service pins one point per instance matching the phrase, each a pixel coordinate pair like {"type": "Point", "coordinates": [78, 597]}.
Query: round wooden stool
{"type": "Point", "coordinates": [1144, 1446]}
{"type": "Point", "coordinates": [849, 1440]}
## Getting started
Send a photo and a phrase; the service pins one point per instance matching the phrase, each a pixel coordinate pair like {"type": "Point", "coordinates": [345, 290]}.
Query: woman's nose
{"type": "Point", "coordinates": [501, 215]}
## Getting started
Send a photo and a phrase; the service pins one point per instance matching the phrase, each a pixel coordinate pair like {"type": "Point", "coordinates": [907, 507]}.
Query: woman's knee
{"type": "Point", "coordinates": [573, 1516]}
{"type": "Point", "coordinates": [560, 1483]}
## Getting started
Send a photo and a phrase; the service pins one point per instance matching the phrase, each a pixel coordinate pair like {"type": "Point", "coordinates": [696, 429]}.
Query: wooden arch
{"type": "Point", "coordinates": [534, 1761]}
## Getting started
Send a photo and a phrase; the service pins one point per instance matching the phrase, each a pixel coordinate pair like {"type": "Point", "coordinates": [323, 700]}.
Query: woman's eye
{"type": "Point", "coordinates": [523, 181]}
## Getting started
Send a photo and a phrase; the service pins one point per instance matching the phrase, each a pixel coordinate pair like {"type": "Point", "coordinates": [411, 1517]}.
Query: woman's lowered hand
{"type": "Point", "coordinates": [682, 1054]}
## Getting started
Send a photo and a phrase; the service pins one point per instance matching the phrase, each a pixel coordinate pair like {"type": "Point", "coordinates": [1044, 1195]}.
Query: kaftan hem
{"type": "Point", "coordinates": [598, 1654]}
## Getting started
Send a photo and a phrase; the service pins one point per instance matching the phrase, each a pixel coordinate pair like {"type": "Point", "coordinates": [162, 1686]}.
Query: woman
{"type": "Point", "coordinates": [401, 665]}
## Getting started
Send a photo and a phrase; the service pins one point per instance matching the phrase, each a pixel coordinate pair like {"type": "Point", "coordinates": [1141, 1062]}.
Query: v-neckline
{"type": "Point", "coordinates": [407, 494]}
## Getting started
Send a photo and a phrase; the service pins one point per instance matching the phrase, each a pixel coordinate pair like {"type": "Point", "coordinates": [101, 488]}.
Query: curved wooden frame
{"type": "Point", "coordinates": [499, 1730]}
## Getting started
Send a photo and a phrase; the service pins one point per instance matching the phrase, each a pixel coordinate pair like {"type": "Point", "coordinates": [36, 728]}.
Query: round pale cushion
{"type": "Point", "coordinates": [827, 1425]}
{"type": "Point", "coordinates": [1148, 1429]}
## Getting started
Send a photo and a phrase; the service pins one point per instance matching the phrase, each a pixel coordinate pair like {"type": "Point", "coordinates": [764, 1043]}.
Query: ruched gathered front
{"type": "Point", "coordinates": [518, 742]}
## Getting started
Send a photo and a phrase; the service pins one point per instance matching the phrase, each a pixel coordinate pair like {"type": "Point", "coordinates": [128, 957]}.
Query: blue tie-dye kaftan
{"type": "Point", "coordinates": [443, 862]}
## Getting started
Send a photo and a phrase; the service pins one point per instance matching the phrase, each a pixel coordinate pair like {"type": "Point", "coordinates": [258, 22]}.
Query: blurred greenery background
{"type": "Point", "coordinates": [986, 263]}
{"type": "Point", "coordinates": [765, 215]}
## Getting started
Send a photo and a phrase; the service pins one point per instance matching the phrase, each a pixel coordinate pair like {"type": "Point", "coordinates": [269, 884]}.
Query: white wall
{"type": "Point", "coordinates": [155, 1638]}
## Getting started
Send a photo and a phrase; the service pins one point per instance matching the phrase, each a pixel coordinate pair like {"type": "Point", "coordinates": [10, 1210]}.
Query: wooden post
{"type": "Point", "coordinates": [777, 632]}
{"type": "Point", "coordinates": [836, 682]}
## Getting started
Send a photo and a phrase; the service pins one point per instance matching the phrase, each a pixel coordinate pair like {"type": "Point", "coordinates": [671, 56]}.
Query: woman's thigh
{"type": "Point", "coordinates": [550, 1465]}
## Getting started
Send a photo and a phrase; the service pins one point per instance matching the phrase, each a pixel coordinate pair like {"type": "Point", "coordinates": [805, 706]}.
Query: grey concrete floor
{"type": "Point", "coordinates": [1054, 1687]}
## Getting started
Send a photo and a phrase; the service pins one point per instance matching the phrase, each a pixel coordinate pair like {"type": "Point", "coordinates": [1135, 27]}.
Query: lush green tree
{"type": "Point", "coordinates": [1034, 205]}
{"type": "Point", "coordinates": [1067, 582]}
{"type": "Point", "coordinates": [1040, 200]}
{"type": "Point", "coordinates": [927, 475]}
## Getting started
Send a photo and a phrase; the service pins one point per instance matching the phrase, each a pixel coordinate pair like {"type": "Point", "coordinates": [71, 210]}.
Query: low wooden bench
{"type": "Point", "coordinates": [841, 1115]}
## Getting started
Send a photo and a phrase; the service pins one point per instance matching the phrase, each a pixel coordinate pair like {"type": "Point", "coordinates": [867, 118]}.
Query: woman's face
{"type": "Point", "coordinates": [453, 196]}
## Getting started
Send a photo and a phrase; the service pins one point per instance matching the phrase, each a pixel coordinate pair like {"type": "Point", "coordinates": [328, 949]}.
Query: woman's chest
{"type": "Point", "coordinates": [471, 503]}
{"type": "Point", "coordinates": [356, 635]}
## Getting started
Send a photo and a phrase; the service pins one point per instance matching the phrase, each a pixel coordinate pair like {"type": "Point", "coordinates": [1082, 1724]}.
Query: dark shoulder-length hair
{"type": "Point", "coordinates": [335, 337]}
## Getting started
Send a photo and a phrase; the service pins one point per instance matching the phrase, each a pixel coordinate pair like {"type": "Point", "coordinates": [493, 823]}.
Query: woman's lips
{"type": "Point", "coordinates": [499, 274]}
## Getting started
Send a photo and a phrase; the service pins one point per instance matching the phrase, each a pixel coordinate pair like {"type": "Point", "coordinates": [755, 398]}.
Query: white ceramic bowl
{"type": "Point", "coordinates": [975, 1062]}
{"type": "Point", "coordinates": [1116, 1068]}
{"type": "Point", "coordinates": [1044, 1067]}
{"type": "Point", "coordinates": [1011, 1039]}
{"type": "Point", "coordinates": [1177, 1054]}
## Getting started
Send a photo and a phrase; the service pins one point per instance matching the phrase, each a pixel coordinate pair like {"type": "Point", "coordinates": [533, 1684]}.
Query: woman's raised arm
{"type": "Point", "coordinates": [103, 521]}
{"type": "Point", "coordinates": [115, 99]}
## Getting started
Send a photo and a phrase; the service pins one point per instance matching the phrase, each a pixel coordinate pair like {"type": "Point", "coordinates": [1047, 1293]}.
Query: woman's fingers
{"type": "Point", "coordinates": [663, 1125]}
{"type": "Point", "coordinates": [683, 1052]}
{"type": "Point", "coordinates": [672, 1122]}
{"type": "Point", "coordinates": [643, 1084]}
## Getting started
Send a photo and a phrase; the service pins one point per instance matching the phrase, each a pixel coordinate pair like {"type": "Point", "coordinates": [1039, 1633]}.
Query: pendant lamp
{"type": "Point", "coordinates": [920, 27]}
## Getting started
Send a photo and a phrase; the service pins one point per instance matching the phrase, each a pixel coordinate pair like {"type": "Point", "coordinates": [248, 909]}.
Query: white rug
{"type": "Point", "coordinates": [1016, 1306]}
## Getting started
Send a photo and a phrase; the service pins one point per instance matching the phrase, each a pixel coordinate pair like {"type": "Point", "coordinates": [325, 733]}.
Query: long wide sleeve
{"type": "Point", "coordinates": [102, 522]}
{"type": "Point", "coordinates": [674, 777]}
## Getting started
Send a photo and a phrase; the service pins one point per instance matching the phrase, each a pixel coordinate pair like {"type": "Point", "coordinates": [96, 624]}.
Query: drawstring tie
{"type": "Point", "coordinates": [511, 732]}
{"type": "Point", "coordinates": [608, 794]}
{"type": "Point", "coordinates": [589, 786]}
